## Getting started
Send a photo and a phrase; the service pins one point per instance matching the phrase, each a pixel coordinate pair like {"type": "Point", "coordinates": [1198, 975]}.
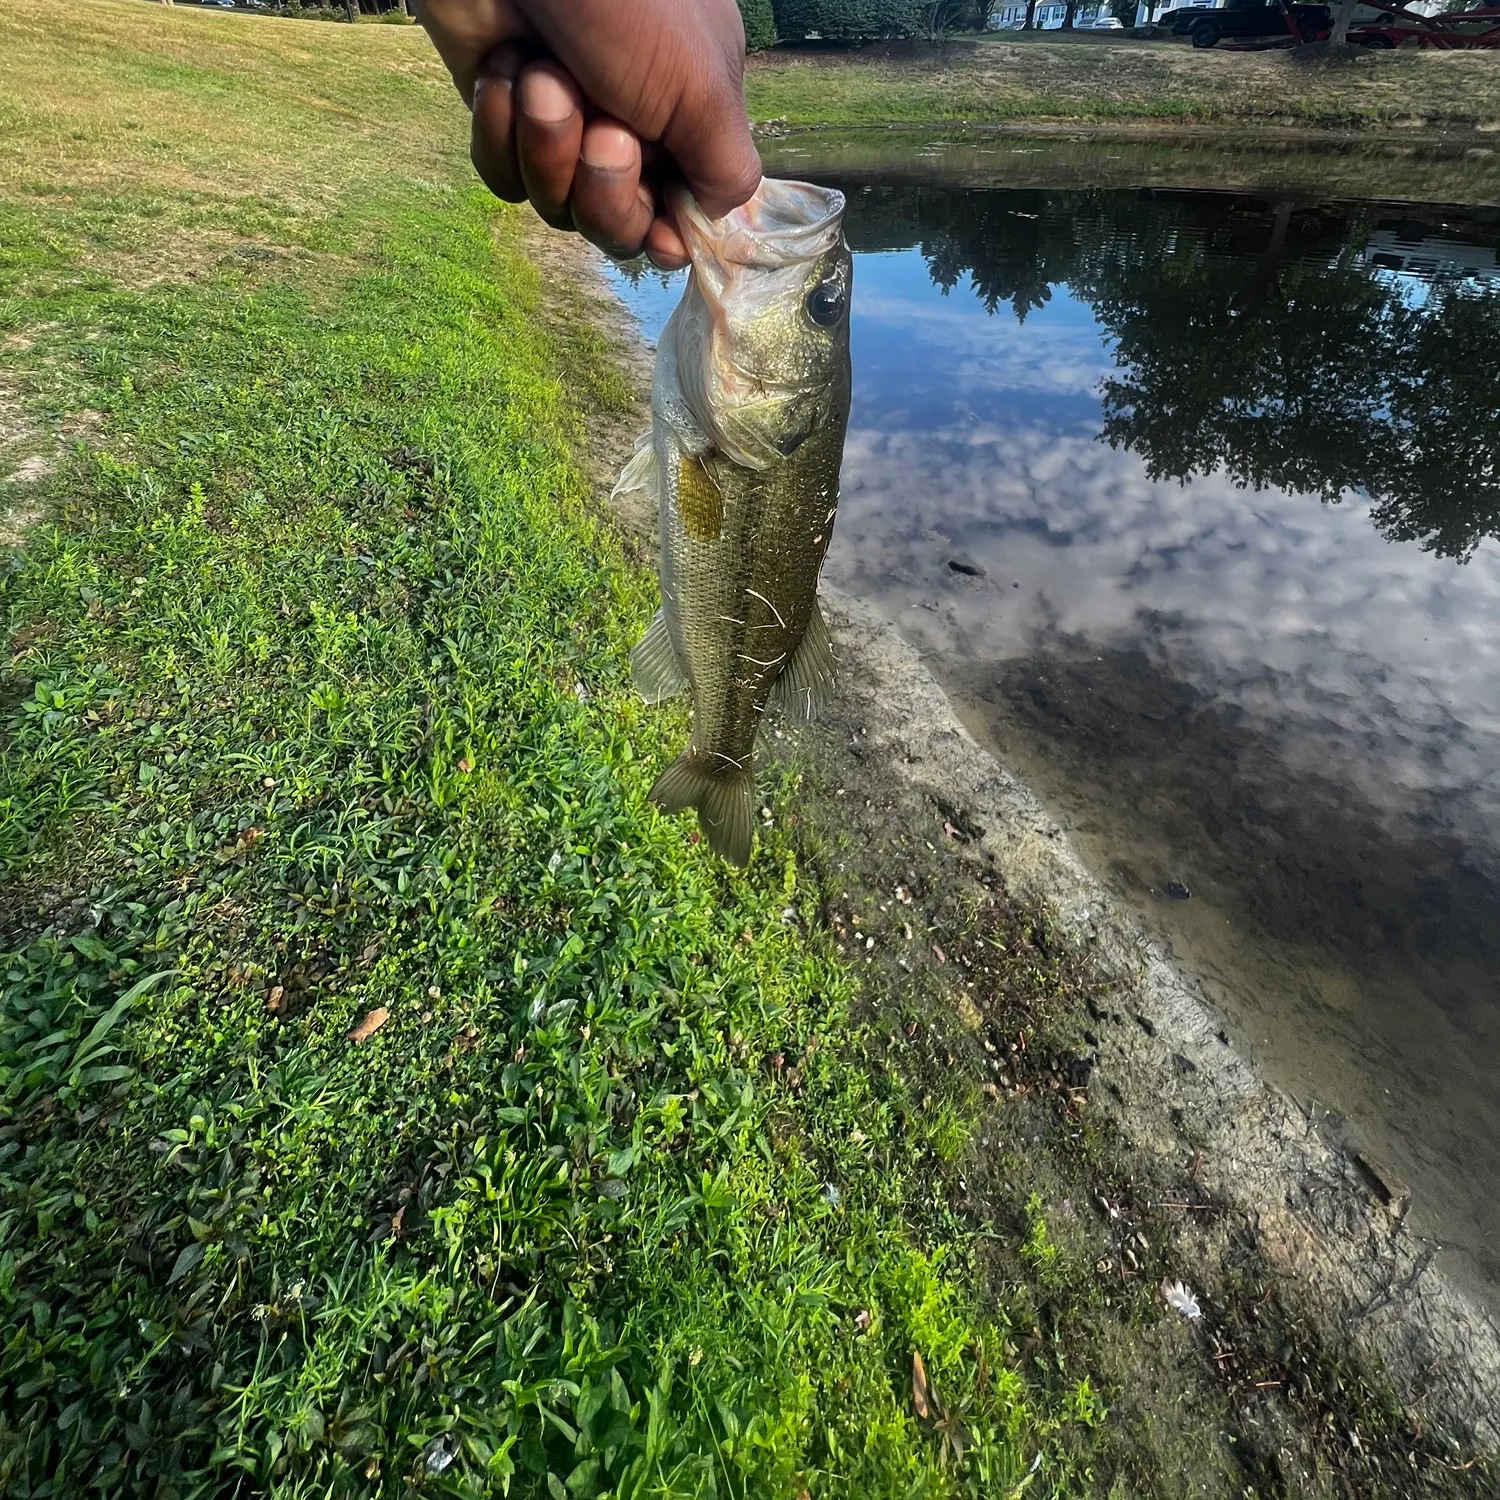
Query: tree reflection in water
{"type": "Point", "coordinates": [1290, 345]}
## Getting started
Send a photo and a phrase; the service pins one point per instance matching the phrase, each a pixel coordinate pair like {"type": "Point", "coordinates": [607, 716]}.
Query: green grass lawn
{"type": "Point", "coordinates": [390, 1100]}
{"type": "Point", "coordinates": [1009, 77]}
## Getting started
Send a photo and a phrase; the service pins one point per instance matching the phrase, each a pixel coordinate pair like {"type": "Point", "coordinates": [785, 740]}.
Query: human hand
{"type": "Point", "coordinates": [586, 106]}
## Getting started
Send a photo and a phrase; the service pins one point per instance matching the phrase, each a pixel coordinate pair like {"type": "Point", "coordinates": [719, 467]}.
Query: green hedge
{"type": "Point", "coordinates": [845, 20]}
{"type": "Point", "coordinates": [760, 24]}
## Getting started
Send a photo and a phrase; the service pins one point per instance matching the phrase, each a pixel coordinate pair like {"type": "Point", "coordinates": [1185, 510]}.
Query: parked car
{"type": "Point", "coordinates": [1249, 18]}
{"type": "Point", "coordinates": [1176, 22]}
{"type": "Point", "coordinates": [1107, 23]}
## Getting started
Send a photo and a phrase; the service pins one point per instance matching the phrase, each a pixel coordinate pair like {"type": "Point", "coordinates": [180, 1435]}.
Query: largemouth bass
{"type": "Point", "coordinates": [749, 403]}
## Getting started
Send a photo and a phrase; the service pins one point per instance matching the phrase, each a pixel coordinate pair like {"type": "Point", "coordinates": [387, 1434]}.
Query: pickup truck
{"type": "Point", "coordinates": [1246, 18]}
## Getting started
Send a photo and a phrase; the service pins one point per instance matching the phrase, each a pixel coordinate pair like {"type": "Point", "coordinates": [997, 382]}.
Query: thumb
{"type": "Point", "coordinates": [709, 138]}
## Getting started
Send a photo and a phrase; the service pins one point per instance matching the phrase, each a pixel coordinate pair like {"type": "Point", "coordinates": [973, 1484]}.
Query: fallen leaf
{"type": "Point", "coordinates": [466, 765]}
{"type": "Point", "coordinates": [397, 1219]}
{"type": "Point", "coordinates": [370, 1025]}
{"type": "Point", "coordinates": [938, 954]}
{"type": "Point", "coordinates": [920, 1395]}
{"type": "Point", "coordinates": [273, 1000]}
{"type": "Point", "coordinates": [862, 1320]}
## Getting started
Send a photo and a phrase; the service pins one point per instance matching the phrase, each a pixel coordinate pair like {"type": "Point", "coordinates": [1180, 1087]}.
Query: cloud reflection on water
{"type": "Point", "coordinates": [1372, 656]}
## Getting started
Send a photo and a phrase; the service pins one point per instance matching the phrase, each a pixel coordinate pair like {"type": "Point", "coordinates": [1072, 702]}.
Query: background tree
{"type": "Point", "coordinates": [760, 24]}
{"type": "Point", "coordinates": [1343, 14]}
{"type": "Point", "coordinates": [845, 20]}
{"type": "Point", "coordinates": [939, 17]}
{"type": "Point", "coordinates": [1253, 338]}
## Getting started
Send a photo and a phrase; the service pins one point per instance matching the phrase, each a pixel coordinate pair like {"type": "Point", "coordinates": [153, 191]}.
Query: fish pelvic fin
{"type": "Point", "coordinates": [722, 794]}
{"type": "Point", "coordinates": [655, 671]}
{"type": "Point", "coordinates": [805, 685]}
{"type": "Point", "coordinates": [639, 475]}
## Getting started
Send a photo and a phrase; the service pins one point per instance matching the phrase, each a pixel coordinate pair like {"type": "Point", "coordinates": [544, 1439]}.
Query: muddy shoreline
{"type": "Point", "coordinates": [1186, 1104]}
{"type": "Point", "coordinates": [1247, 1195]}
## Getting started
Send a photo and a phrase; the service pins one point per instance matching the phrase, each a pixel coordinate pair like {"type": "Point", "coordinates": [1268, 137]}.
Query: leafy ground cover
{"type": "Point", "coordinates": [389, 1099]}
{"type": "Point", "coordinates": [1011, 77]}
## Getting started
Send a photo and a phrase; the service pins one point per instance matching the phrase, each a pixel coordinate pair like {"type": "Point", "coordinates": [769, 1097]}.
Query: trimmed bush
{"type": "Point", "coordinates": [845, 20]}
{"type": "Point", "coordinates": [760, 24]}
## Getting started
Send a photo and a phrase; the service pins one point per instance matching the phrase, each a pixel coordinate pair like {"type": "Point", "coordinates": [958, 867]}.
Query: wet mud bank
{"type": "Point", "coordinates": [1333, 1354]}
{"type": "Point", "coordinates": [1265, 1199]}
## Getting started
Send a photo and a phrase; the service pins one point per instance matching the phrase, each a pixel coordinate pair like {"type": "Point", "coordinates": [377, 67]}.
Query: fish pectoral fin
{"type": "Point", "coordinates": [805, 685]}
{"type": "Point", "coordinates": [655, 671]}
{"type": "Point", "coordinates": [722, 796]}
{"type": "Point", "coordinates": [639, 475]}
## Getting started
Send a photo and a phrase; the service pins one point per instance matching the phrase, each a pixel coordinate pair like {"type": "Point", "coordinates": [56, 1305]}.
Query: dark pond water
{"type": "Point", "coordinates": [1221, 471]}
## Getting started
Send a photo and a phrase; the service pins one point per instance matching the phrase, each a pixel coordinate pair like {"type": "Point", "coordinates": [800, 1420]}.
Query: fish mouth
{"type": "Point", "coordinates": [782, 224]}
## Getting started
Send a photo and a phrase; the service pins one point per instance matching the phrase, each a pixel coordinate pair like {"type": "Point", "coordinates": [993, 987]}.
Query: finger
{"type": "Point", "coordinates": [664, 247]}
{"type": "Point", "coordinates": [709, 139]}
{"type": "Point", "coordinates": [492, 144]}
{"type": "Point", "coordinates": [464, 30]}
{"type": "Point", "coordinates": [611, 206]}
{"type": "Point", "coordinates": [549, 134]}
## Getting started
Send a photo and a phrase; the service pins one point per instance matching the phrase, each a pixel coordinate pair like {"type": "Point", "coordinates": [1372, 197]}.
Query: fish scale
{"type": "Point", "coordinates": [750, 402]}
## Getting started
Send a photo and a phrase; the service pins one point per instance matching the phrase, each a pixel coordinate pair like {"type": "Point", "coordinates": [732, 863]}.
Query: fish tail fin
{"type": "Point", "coordinates": [722, 796]}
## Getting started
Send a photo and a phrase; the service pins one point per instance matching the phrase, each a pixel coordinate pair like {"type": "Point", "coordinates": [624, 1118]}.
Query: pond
{"type": "Point", "coordinates": [1190, 496]}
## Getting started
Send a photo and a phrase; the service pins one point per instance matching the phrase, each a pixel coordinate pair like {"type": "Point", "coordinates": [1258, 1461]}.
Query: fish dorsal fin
{"type": "Point", "coordinates": [806, 682]}
{"type": "Point", "coordinates": [639, 475]}
{"type": "Point", "coordinates": [655, 672]}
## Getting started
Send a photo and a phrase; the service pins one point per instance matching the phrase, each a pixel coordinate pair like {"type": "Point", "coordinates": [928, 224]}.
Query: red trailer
{"type": "Point", "coordinates": [1399, 27]}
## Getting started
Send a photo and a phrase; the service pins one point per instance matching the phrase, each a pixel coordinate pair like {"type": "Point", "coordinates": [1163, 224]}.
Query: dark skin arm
{"type": "Point", "coordinates": [586, 107]}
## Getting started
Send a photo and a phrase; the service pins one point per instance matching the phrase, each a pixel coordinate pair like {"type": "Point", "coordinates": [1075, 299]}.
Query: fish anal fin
{"type": "Point", "coordinates": [699, 499]}
{"type": "Point", "coordinates": [805, 685]}
{"type": "Point", "coordinates": [655, 671]}
{"type": "Point", "coordinates": [722, 797]}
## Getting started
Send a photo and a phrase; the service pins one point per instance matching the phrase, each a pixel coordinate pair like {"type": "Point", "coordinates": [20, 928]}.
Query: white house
{"type": "Point", "coordinates": [1048, 16]}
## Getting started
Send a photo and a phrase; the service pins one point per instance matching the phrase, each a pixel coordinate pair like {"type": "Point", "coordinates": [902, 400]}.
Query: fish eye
{"type": "Point", "coordinates": [825, 304]}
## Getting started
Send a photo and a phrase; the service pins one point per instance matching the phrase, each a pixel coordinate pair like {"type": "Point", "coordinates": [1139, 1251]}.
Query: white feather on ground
{"type": "Point", "coordinates": [1177, 1295]}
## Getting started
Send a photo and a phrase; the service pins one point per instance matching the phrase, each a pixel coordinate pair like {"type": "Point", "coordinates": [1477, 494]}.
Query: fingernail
{"type": "Point", "coordinates": [608, 147]}
{"type": "Point", "coordinates": [545, 97]}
